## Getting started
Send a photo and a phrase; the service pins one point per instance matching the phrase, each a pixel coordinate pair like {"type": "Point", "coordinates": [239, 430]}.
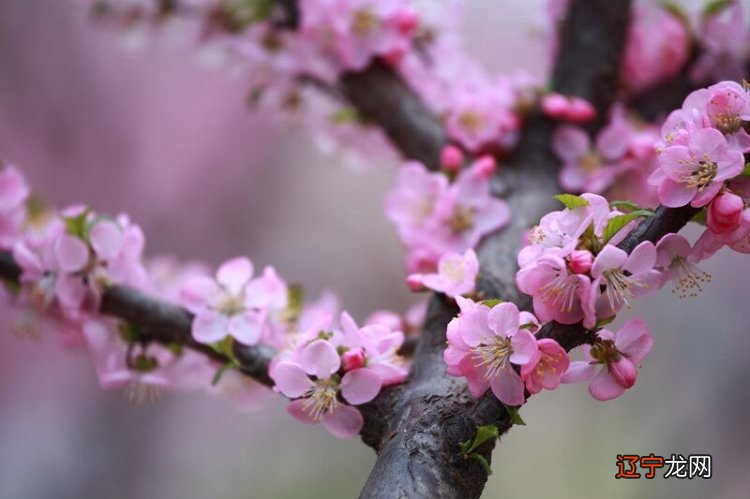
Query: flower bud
{"type": "Point", "coordinates": [725, 213]}
{"type": "Point", "coordinates": [451, 158]}
{"type": "Point", "coordinates": [414, 282]}
{"type": "Point", "coordinates": [580, 110]}
{"type": "Point", "coordinates": [581, 261]}
{"type": "Point", "coordinates": [406, 21]}
{"type": "Point", "coordinates": [623, 371]}
{"type": "Point", "coordinates": [555, 106]}
{"type": "Point", "coordinates": [353, 359]}
{"type": "Point", "coordinates": [485, 166]}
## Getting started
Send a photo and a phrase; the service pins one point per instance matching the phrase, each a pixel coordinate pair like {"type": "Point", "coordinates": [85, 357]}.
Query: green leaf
{"type": "Point", "coordinates": [176, 349]}
{"type": "Point", "coordinates": [746, 170]}
{"type": "Point", "coordinates": [528, 325]}
{"type": "Point", "coordinates": [77, 226]}
{"type": "Point", "coordinates": [480, 458]}
{"type": "Point", "coordinates": [219, 373]}
{"type": "Point", "coordinates": [616, 224]}
{"type": "Point", "coordinates": [715, 7]}
{"type": "Point", "coordinates": [344, 116]}
{"type": "Point", "coordinates": [145, 363]}
{"type": "Point", "coordinates": [492, 302]}
{"type": "Point", "coordinates": [515, 415]}
{"type": "Point", "coordinates": [128, 332]}
{"type": "Point", "coordinates": [12, 286]}
{"type": "Point", "coordinates": [700, 217]}
{"type": "Point", "coordinates": [295, 297]}
{"type": "Point", "coordinates": [484, 433]}
{"type": "Point", "coordinates": [624, 205]}
{"type": "Point", "coordinates": [571, 201]}
{"type": "Point", "coordinates": [226, 348]}
{"type": "Point", "coordinates": [677, 11]}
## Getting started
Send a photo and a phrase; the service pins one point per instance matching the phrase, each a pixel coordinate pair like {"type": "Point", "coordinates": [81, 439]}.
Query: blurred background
{"type": "Point", "coordinates": [157, 134]}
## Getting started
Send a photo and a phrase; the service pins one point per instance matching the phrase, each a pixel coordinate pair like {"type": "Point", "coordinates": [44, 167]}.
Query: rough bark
{"type": "Point", "coordinates": [418, 453]}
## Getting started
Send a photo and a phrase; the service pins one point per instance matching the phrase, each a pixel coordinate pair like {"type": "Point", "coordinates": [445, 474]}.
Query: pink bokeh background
{"type": "Point", "coordinates": [159, 133]}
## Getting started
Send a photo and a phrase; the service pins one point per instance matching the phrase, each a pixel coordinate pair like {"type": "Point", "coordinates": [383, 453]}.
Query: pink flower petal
{"type": "Point", "coordinates": [525, 350]}
{"type": "Point", "coordinates": [210, 326]}
{"type": "Point", "coordinates": [297, 409]}
{"type": "Point", "coordinates": [503, 319]}
{"type": "Point", "coordinates": [235, 274]}
{"type": "Point", "coordinates": [246, 327]}
{"type": "Point", "coordinates": [360, 386]}
{"type": "Point", "coordinates": [610, 257]}
{"type": "Point", "coordinates": [508, 387]}
{"type": "Point", "coordinates": [320, 359]}
{"type": "Point", "coordinates": [634, 340]}
{"type": "Point", "coordinates": [604, 387]}
{"type": "Point", "coordinates": [579, 371]}
{"type": "Point", "coordinates": [290, 379]}
{"type": "Point", "coordinates": [72, 254]}
{"type": "Point", "coordinates": [344, 422]}
{"type": "Point", "coordinates": [106, 239]}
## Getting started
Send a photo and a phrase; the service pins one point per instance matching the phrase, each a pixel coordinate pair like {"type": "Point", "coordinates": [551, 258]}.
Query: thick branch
{"type": "Point", "coordinates": [162, 321]}
{"type": "Point", "coordinates": [383, 98]}
{"type": "Point", "coordinates": [416, 427]}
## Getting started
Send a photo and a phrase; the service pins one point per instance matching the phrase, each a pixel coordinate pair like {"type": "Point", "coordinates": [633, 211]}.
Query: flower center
{"type": "Point", "coordinates": [603, 350]}
{"type": "Point", "coordinates": [704, 172]}
{"type": "Point", "coordinates": [548, 363]}
{"type": "Point", "coordinates": [620, 287]}
{"type": "Point", "coordinates": [471, 121]}
{"type": "Point", "coordinates": [590, 162]}
{"type": "Point", "coordinates": [462, 219]}
{"type": "Point", "coordinates": [493, 357]}
{"type": "Point", "coordinates": [365, 21]}
{"type": "Point", "coordinates": [231, 304]}
{"type": "Point", "coordinates": [687, 277]}
{"type": "Point", "coordinates": [560, 292]}
{"type": "Point", "coordinates": [321, 398]}
{"type": "Point", "coordinates": [728, 123]}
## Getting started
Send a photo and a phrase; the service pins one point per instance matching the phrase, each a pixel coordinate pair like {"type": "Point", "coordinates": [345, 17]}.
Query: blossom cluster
{"type": "Point", "coordinates": [286, 67]}
{"type": "Point", "coordinates": [618, 162]}
{"type": "Point", "coordinates": [663, 37]}
{"type": "Point", "coordinates": [701, 163]}
{"type": "Point", "coordinates": [490, 344]}
{"type": "Point", "coordinates": [435, 215]}
{"type": "Point", "coordinates": [329, 367]}
{"type": "Point", "coordinates": [70, 259]}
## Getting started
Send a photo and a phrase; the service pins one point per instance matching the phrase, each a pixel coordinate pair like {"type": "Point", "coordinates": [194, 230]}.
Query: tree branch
{"type": "Point", "coordinates": [416, 427]}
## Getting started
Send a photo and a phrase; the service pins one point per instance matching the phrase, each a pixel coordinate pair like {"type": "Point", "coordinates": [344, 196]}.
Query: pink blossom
{"type": "Point", "coordinates": [581, 261]}
{"type": "Point", "coordinates": [677, 262]}
{"type": "Point", "coordinates": [657, 48]}
{"type": "Point", "coordinates": [724, 106]}
{"type": "Point", "coordinates": [725, 213]}
{"type": "Point", "coordinates": [380, 345]}
{"type": "Point", "coordinates": [618, 278]}
{"type": "Point", "coordinates": [456, 275]}
{"type": "Point", "coordinates": [312, 379]}
{"type": "Point", "coordinates": [353, 32]}
{"type": "Point", "coordinates": [724, 37]}
{"type": "Point", "coordinates": [619, 355]}
{"type": "Point", "coordinates": [549, 369]}
{"type": "Point", "coordinates": [483, 346]}
{"type": "Point", "coordinates": [571, 109]}
{"type": "Point", "coordinates": [557, 294]}
{"type": "Point", "coordinates": [694, 173]}
{"type": "Point", "coordinates": [738, 238]}
{"type": "Point", "coordinates": [483, 118]}
{"type": "Point", "coordinates": [411, 203]}
{"type": "Point", "coordinates": [228, 305]}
